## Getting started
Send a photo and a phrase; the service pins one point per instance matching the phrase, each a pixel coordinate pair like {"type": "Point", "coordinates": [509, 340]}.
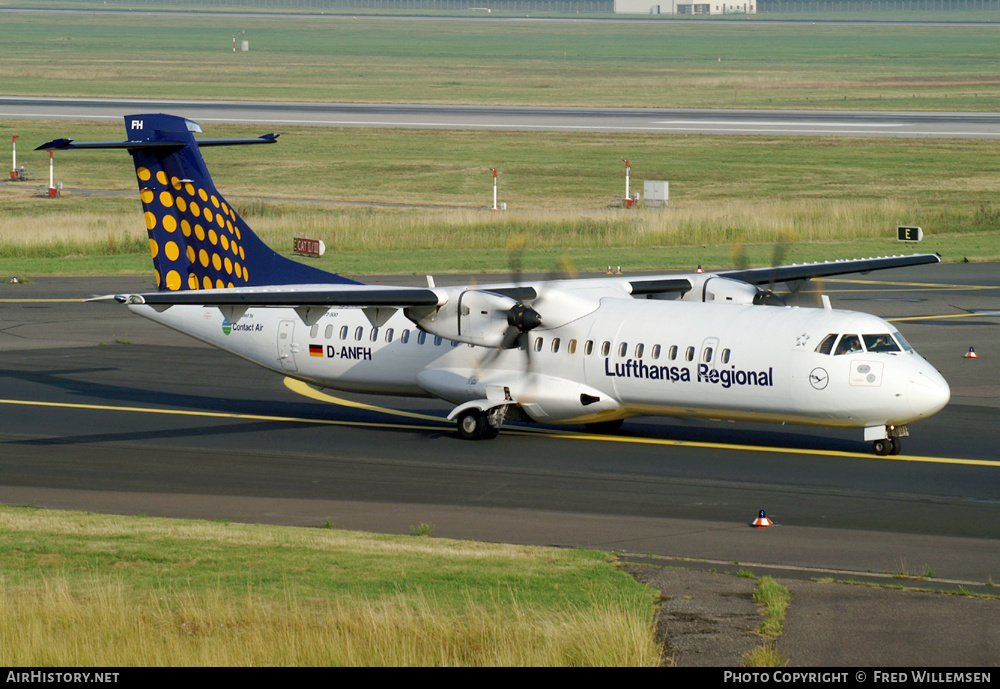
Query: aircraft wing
{"type": "Point", "coordinates": [805, 271]}
{"type": "Point", "coordinates": [403, 297]}
{"type": "Point", "coordinates": [309, 295]}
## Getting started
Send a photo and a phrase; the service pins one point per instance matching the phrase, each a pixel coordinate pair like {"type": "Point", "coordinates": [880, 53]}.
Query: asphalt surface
{"type": "Point", "coordinates": [104, 411]}
{"type": "Point", "coordinates": [521, 118]}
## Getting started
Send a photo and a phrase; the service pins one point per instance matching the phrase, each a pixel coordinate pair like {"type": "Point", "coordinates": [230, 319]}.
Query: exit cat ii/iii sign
{"type": "Point", "coordinates": [909, 234]}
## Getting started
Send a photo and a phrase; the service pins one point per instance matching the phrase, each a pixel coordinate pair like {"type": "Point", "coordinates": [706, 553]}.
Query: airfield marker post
{"type": "Point", "coordinates": [627, 201]}
{"type": "Point", "coordinates": [53, 192]}
{"type": "Point", "coordinates": [13, 170]}
{"type": "Point", "coordinates": [494, 187]}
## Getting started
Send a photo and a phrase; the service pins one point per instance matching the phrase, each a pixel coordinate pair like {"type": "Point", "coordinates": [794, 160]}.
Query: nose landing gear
{"type": "Point", "coordinates": [887, 446]}
{"type": "Point", "coordinates": [886, 440]}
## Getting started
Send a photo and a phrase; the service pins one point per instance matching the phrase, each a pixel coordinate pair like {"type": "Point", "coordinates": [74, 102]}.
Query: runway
{"type": "Point", "coordinates": [497, 118]}
{"type": "Point", "coordinates": [103, 410]}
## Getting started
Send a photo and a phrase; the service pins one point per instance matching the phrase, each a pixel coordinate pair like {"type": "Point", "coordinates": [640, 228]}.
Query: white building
{"type": "Point", "coordinates": [684, 7]}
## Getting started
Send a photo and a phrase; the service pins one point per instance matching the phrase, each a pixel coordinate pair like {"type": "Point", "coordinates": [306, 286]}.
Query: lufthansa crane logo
{"type": "Point", "coordinates": [818, 378]}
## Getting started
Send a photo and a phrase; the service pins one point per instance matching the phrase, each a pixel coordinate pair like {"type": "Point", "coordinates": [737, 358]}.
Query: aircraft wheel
{"type": "Point", "coordinates": [472, 425]}
{"type": "Point", "coordinates": [605, 426]}
{"type": "Point", "coordinates": [897, 446]}
{"type": "Point", "coordinates": [882, 447]}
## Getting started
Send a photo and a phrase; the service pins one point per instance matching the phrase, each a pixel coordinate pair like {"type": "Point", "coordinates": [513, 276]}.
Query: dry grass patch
{"type": "Point", "coordinates": [83, 589]}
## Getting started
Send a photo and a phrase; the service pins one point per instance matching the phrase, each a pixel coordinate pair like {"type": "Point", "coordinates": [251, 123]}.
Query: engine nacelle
{"type": "Point", "coordinates": [472, 316]}
{"type": "Point", "coordinates": [709, 288]}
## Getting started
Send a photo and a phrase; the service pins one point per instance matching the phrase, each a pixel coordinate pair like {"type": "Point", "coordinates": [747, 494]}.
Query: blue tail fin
{"type": "Point", "coordinates": [197, 239]}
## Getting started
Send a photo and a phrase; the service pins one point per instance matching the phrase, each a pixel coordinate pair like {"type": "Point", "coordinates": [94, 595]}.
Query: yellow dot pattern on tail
{"type": "Point", "coordinates": [202, 241]}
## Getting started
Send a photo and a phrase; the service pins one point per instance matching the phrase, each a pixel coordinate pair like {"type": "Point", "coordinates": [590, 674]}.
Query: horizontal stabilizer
{"type": "Point", "coordinates": [70, 144]}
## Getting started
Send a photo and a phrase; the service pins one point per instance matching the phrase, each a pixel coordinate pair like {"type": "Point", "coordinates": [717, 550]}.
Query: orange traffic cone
{"type": "Point", "coordinates": [700, 269]}
{"type": "Point", "coordinates": [971, 354]}
{"type": "Point", "coordinates": [762, 522]}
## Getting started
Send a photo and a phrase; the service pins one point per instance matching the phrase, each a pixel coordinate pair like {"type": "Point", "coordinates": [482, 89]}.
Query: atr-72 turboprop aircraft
{"type": "Point", "coordinates": [586, 351]}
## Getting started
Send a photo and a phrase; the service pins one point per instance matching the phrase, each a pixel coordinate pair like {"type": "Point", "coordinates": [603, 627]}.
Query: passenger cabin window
{"type": "Point", "coordinates": [572, 346]}
{"type": "Point", "coordinates": [438, 340]}
{"type": "Point", "coordinates": [826, 346]}
{"type": "Point", "coordinates": [405, 335]}
{"type": "Point", "coordinates": [849, 344]}
{"type": "Point", "coordinates": [421, 337]}
{"type": "Point", "coordinates": [880, 343]}
{"type": "Point", "coordinates": [605, 349]}
{"type": "Point", "coordinates": [358, 333]}
{"type": "Point", "coordinates": [588, 348]}
{"type": "Point", "coordinates": [725, 356]}
{"type": "Point", "coordinates": [639, 348]}
{"type": "Point", "coordinates": [707, 355]}
{"type": "Point", "coordinates": [328, 334]}
{"type": "Point", "coordinates": [314, 331]}
{"type": "Point", "coordinates": [672, 352]}
{"type": "Point", "coordinates": [374, 335]}
{"type": "Point", "coordinates": [388, 335]}
{"type": "Point", "coordinates": [623, 349]}
{"type": "Point", "coordinates": [343, 333]}
{"type": "Point", "coordinates": [538, 344]}
{"type": "Point", "coordinates": [689, 354]}
{"type": "Point", "coordinates": [655, 353]}
{"type": "Point", "coordinates": [555, 345]}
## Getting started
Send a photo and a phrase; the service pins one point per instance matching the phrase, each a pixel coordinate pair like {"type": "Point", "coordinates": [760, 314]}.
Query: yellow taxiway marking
{"type": "Point", "coordinates": [923, 285]}
{"type": "Point", "coordinates": [205, 414]}
{"type": "Point", "coordinates": [549, 433]}
{"type": "Point", "coordinates": [301, 388]}
{"type": "Point", "coordinates": [982, 314]}
{"type": "Point", "coordinates": [304, 389]}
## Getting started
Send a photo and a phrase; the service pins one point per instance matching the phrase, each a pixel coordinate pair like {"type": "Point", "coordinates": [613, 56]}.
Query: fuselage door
{"type": "Point", "coordinates": [286, 345]}
{"type": "Point", "coordinates": [709, 352]}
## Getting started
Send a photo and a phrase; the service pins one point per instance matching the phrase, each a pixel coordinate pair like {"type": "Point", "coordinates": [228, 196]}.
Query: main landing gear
{"type": "Point", "coordinates": [476, 424]}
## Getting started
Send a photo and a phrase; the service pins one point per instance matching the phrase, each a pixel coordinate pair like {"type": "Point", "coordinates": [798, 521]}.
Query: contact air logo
{"type": "Point", "coordinates": [227, 327]}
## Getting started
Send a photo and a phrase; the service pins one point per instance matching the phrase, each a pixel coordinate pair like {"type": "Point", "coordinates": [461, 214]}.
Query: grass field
{"type": "Point", "coordinates": [824, 198]}
{"type": "Point", "coordinates": [347, 58]}
{"type": "Point", "coordinates": [95, 590]}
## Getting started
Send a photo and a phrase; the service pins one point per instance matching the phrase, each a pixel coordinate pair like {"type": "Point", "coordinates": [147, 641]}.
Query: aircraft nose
{"type": "Point", "coordinates": [928, 393]}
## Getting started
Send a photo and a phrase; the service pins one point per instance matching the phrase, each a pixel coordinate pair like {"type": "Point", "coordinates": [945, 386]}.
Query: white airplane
{"type": "Point", "coordinates": [585, 351]}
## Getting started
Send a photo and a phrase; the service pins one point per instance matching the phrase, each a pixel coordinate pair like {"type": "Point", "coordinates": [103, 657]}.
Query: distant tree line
{"type": "Point", "coordinates": [572, 6]}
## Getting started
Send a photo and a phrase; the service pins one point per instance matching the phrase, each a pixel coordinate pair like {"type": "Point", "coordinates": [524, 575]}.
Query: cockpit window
{"type": "Point", "coordinates": [849, 344]}
{"type": "Point", "coordinates": [902, 342]}
{"type": "Point", "coordinates": [826, 346]}
{"type": "Point", "coordinates": [880, 343]}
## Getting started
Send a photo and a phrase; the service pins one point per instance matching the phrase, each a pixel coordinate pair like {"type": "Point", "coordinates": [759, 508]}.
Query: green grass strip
{"type": "Point", "coordinates": [88, 589]}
